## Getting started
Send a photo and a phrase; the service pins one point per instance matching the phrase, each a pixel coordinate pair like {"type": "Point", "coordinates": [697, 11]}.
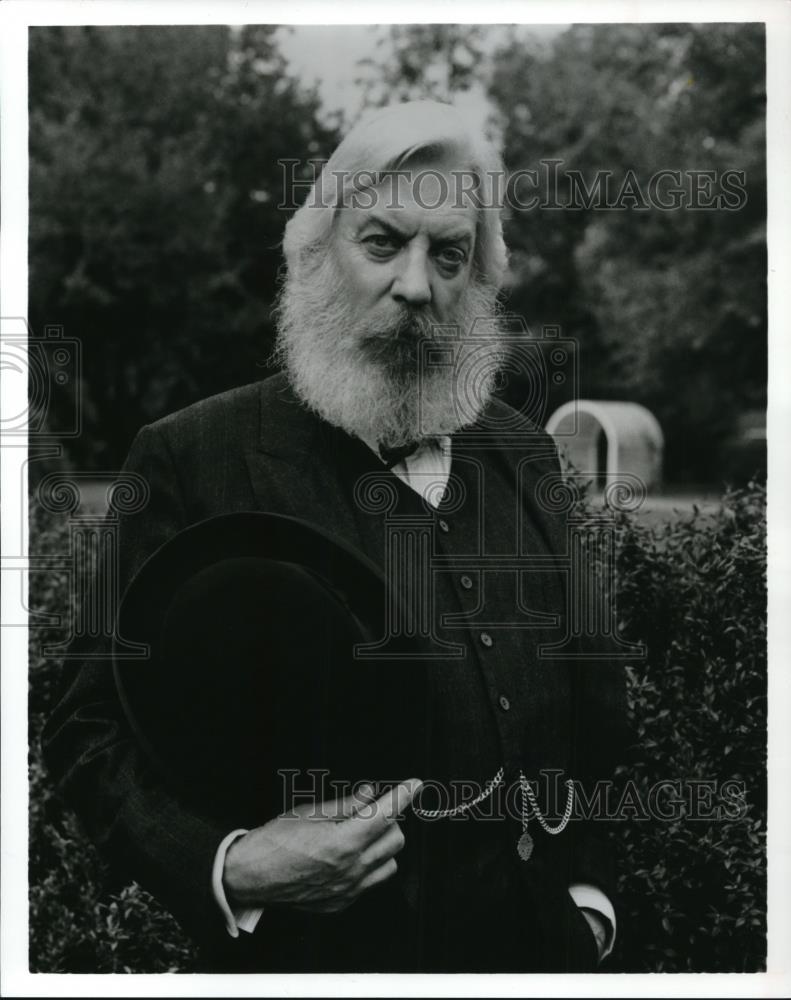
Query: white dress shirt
{"type": "Point", "coordinates": [426, 471]}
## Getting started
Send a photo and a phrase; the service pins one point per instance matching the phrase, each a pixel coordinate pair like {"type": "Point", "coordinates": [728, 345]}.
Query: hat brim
{"type": "Point", "coordinates": [251, 620]}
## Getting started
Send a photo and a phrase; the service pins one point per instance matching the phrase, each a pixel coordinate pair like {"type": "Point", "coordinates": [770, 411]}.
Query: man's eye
{"type": "Point", "coordinates": [451, 256]}
{"type": "Point", "coordinates": [380, 245]}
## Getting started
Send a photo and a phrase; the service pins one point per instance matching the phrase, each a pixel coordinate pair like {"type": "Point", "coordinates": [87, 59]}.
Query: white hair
{"type": "Point", "coordinates": [385, 141]}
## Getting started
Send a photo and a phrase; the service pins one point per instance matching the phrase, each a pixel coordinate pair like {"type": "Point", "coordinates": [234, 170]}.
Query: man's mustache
{"type": "Point", "coordinates": [409, 326]}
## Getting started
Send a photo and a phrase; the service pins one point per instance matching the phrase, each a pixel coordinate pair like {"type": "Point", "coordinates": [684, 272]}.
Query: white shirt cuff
{"type": "Point", "coordinates": [592, 898]}
{"type": "Point", "coordinates": [244, 918]}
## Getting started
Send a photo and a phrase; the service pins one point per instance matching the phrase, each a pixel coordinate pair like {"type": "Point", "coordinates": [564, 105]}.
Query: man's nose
{"type": "Point", "coordinates": [412, 286]}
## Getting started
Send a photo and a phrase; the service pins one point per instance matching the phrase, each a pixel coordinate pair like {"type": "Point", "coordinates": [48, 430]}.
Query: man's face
{"type": "Point", "coordinates": [398, 264]}
{"type": "Point", "coordinates": [409, 250]}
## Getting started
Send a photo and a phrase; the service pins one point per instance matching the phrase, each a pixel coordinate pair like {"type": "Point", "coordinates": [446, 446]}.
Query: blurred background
{"type": "Point", "coordinates": [155, 229]}
{"type": "Point", "coordinates": [155, 253]}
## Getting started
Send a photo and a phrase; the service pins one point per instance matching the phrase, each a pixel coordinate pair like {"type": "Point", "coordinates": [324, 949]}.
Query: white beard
{"type": "Point", "coordinates": [362, 373]}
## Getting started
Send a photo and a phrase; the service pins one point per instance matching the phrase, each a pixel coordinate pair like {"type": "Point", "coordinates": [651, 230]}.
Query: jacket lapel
{"type": "Point", "coordinates": [294, 467]}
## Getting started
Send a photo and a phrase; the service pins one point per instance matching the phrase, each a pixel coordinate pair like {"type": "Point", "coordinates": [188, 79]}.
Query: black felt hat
{"type": "Point", "coordinates": [257, 685]}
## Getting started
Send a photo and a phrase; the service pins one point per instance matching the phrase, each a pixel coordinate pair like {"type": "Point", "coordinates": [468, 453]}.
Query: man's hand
{"type": "Point", "coordinates": [323, 862]}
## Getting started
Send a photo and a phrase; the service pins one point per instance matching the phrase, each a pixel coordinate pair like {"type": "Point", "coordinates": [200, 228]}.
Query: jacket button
{"type": "Point", "coordinates": [466, 582]}
{"type": "Point", "coordinates": [443, 526]}
{"type": "Point", "coordinates": [487, 640]}
{"type": "Point", "coordinates": [505, 704]}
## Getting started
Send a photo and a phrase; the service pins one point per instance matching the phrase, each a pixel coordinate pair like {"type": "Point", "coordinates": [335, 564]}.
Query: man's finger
{"type": "Point", "coordinates": [396, 800]}
{"type": "Point", "coordinates": [349, 805]}
{"type": "Point", "coordinates": [381, 850]}
{"type": "Point", "coordinates": [363, 796]}
{"type": "Point", "coordinates": [379, 875]}
{"type": "Point", "coordinates": [371, 821]}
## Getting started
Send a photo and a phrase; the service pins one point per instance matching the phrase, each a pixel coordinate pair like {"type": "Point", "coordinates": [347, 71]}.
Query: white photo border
{"type": "Point", "coordinates": [15, 17]}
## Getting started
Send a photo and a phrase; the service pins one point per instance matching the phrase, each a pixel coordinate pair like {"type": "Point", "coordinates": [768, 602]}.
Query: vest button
{"type": "Point", "coordinates": [487, 640]}
{"type": "Point", "coordinates": [443, 526]}
{"type": "Point", "coordinates": [466, 582]}
{"type": "Point", "coordinates": [505, 704]}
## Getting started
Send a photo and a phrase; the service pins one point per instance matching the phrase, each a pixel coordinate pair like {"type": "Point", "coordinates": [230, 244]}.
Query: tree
{"type": "Point", "coordinates": [154, 221]}
{"type": "Point", "coordinates": [421, 61]}
{"type": "Point", "coordinates": [668, 307]}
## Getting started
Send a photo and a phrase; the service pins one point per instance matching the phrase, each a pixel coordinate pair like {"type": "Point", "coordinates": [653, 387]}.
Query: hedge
{"type": "Point", "coordinates": [693, 590]}
{"type": "Point", "coordinates": [79, 920]}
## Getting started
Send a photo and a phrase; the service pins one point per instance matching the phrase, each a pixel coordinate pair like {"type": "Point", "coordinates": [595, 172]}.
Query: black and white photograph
{"type": "Point", "coordinates": [386, 587]}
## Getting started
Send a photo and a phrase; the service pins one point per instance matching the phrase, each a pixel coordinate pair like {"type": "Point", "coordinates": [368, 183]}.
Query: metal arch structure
{"type": "Point", "coordinates": [635, 442]}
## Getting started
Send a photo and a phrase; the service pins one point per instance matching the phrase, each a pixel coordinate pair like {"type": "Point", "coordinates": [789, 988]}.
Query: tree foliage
{"type": "Point", "coordinates": [155, 227]}
{"type": "Point", "coordinates": [420, 61]}
{"type": "Point", "coordinates": [81, 919]}
{"type": "Point", "coordinates": [668, 306]}
{"type": "Point", "coordinates": [672, 302]}
{"type": "Point", "coordinates": [693, 885]}
{"type": "Point", "coordinates": [154, 219]}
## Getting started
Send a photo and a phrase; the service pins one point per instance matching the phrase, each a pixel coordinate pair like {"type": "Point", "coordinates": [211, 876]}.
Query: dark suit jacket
{"type": "Point", "coordinates": [464, 901]}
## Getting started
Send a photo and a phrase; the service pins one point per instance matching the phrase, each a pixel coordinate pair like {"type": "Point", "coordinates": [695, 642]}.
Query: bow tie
{"type": "Point", "coordinates": [392, 456]}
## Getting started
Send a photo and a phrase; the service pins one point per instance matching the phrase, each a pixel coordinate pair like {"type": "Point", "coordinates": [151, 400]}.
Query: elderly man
{"type": "Point", "coordinates": [399, 245]}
